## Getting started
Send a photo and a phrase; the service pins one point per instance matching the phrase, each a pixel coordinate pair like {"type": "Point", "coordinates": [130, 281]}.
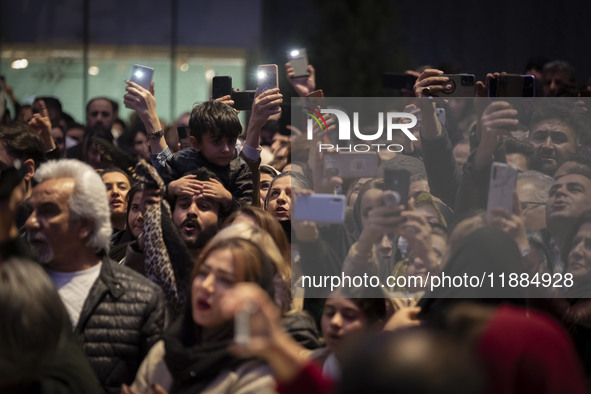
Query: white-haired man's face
{"type": "Point", "coordinates": [51, 230]}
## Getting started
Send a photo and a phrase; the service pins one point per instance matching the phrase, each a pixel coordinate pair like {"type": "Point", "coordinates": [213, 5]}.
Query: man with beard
{"type": "Point", "coordinates": [554, 134]}
{"type": "Point", "coordinates": [116, 313]}
{"type": "Point", "coordinates": [101, 113]}
{"type": "Point", "coordinates": [197, 215]}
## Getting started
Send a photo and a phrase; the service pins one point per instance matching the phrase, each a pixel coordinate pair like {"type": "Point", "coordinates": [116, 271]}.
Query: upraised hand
{"type": "Point", "coordinates": [143, 102]}
{"type": "Point", "coordinates": [41, 123]}
{"type": "Point", "coordinates": [430, 83]}
{"type": "Point", "coordinates": [302, 85]}
{"type": "Point", "coordinates": [496, 121]}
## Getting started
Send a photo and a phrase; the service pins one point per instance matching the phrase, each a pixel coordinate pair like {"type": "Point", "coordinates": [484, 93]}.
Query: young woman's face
{"type": "Point", "coordinates": [341, 320]}
{"type": "Point", "coordinates": [140, 145]}
{"type": "Point", "coordinates": [264, 186]}
{"type": "Point", "coordinates": [215, 277]}
{"type": "Point", "coordinates": [135, 219]}
{"type": "Point", "coordinates": [279, 204]}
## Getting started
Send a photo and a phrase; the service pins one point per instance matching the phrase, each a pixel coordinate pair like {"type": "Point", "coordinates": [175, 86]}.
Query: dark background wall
{"type": "Point", "coordinates": [351, 42]}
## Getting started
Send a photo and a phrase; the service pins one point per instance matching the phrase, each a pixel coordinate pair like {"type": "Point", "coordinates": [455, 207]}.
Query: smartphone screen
{"type": "Point", "coordinates": [221, 86]}
{"type": "Point", "coordinates": [243, 100]}
{"type": "Point", "coordinates": [503, 180]}
{"type": "Point", "coordinates": [298, 58]}
{"type": "Point", "coordinates": [267, 77]}
{"type": "Point", "coordinates": [182, 132]}
{"type": "Point", "coordinates": [397, 182]}
{"type": "Point", "coordinates": [142, 75]}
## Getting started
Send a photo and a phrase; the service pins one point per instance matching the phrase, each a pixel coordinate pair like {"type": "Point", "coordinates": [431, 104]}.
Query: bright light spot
{"type": "Point", "coordinates": [139, 74]}
{"type": "Point", "coordinates": [295, 53]}
{"type": "Point", "coordinates": [209, 74]}
{"type": "Point", "coordinates": [20, 64]}
{"type": "Point", "coordinates": [262, 75]}
{"type": "Point", "coordinates": [93, 70]}
{"type": "Point", "coordinates": [185, 67]}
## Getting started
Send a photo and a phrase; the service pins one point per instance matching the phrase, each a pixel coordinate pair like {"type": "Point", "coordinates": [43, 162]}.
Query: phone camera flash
{"type": "Point", "coordinates": [295, 53]}
{"type": "Point", "coordinates": [139, 74]}
{"type": "Point", "coordinates": [262, 74]}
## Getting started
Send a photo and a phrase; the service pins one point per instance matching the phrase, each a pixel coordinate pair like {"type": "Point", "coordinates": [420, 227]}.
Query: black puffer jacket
{"type": "Point", "coordinates": [122, 317]}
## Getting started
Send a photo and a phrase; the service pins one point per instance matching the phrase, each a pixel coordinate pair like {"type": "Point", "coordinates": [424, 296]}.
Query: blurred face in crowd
{"type": "Point", "coordinates": [352, 196]}
{"type": "Point", "coordinates": [135, 219]}
{"type": "Point", "coordinates": [341, 320]}
{"type": "Point", "coordinates": [58, 136]}
{"type": "Point", "coordinates": [533, 211]}
{"type": "Point", "coordinates": [418, 266]}
{"type": "Point", "coordinates": [579, 258]}
{"type": "Point", "coordinates": [117, 187]}
{"type": "Point", "coordinates": [555, 82]}
{"type": "Point", "coordinates": [75, 133]}
{"type": "Point", "coordinates": [197, 219]}
{"type": "Point", "coordinates": [554, 143]}
{"type": "Point", "coordinates": [52, 232]}
{"type": "Point", "coordinates": [140, 145]}
{"type": "Point", "coordinates": [370, 199]}
{"type": "Point", "coordinates": [279, 199]}
{"type": "Point", "coordinates": [100, 115]}
{"type": "Point", "coordinates": [214, 278]}
{"type": "Point", "coordinates": [570, 196]}
{"type": "Point", "coordinates": [265, 182]}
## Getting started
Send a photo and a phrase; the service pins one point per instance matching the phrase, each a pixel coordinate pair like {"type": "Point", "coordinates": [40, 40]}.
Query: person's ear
{"type": "Point", "coordinates": [85, 228]}
{"type": "Point", "coordinates": [195, 143]}
{"type": "Point", "coordinates": [30, 167]}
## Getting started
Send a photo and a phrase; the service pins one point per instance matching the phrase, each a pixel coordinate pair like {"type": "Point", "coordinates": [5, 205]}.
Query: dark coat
{"type": "Point", "coordinates": [122, 317]}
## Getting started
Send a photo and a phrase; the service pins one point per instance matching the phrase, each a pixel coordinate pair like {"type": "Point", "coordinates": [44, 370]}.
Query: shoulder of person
{"type": "Point", "coordinates": [131, 280]}
{"type": "Point", "coordinates": [252, 376]}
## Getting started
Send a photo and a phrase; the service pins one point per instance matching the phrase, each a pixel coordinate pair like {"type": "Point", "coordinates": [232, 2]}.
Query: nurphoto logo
{"type": "Point", "coordinates": [394, 122]}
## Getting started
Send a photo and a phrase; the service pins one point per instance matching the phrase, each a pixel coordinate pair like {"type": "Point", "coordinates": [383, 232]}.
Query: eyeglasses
{"type": "Point", "coordinates": [530, 204]}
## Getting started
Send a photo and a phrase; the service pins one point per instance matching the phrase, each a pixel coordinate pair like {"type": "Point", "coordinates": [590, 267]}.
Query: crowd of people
{"type": "Point", "coordinates": [141, 257]}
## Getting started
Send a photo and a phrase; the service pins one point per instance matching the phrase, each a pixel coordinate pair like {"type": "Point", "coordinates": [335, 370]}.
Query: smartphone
{"type": "Point", "coordinates": [512, 85]}
{"type": "Point", "coordinates": [462, 85]}
{"type": "Point", "coordinates": [242, 323]}
{"type": "Point", "coordinates": [323, 208]}
{"type": "Point", "coordinates": [142, 75]}
{"type": "Point", "coordinates": [221, 86]}
{"type": "Point", "coordinates": [267, 76]}
{"type": "Point", "coordinates": [503, 179]}
{"type": "Point", "coordinates": [243, 100]}
{"type": "Point", "coordinates": [298, 58]}
{"type": "Point", "coordinates": [396, 185]}
{"type": "Point", "coordinates": [182, 132]}
{"type": "Point", "coordinates": [351, 164]}
{"type": "Point", "coordinates": [316, 99]}
{"type": "Point", "coordinates": [398, 81]}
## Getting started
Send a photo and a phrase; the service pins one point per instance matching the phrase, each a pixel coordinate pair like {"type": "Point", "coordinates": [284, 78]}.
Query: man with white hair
{"type": "Point", "coordinates": [118, 313]}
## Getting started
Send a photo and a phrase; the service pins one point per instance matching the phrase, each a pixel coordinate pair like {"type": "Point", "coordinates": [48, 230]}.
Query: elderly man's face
{"type": "Point", "coordinates": [51, 230]}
